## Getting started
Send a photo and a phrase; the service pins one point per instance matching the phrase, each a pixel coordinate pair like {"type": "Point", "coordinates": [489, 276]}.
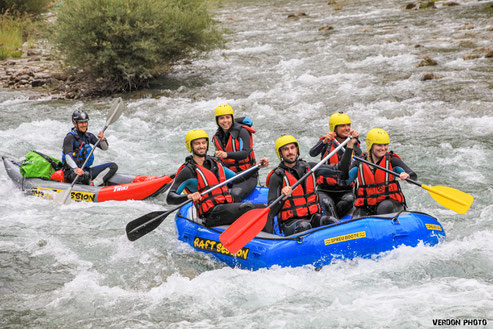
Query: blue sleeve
{"type": "Point", "coordinates": [229, 173]}
{"type": "Point", "coordinates": [353, 174]}
{"type": "Point", "coordinates": [191, 184]}
{"type": "Point", "coordinates": [398, 170]}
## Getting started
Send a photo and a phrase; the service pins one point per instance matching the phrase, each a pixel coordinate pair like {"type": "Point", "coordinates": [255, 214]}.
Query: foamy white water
{"type": "Point", "coordinates": [72, 266]}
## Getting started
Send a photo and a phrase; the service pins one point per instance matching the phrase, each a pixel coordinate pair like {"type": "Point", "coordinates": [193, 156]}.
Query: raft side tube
{"type": "Point", "coordinates": [359, 237]}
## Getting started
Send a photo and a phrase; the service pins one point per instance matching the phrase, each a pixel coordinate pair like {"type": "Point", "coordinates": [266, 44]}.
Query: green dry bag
{"type": "Point", "coordinates": [39, 165]}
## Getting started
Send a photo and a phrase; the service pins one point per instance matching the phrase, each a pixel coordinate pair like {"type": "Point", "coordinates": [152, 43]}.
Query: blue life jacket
{"type": "Point", "coordinates": [82, 148]}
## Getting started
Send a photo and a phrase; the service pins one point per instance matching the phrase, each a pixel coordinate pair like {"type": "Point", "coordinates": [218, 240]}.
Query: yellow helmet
{"type": "Point", "coordinates": [193, 135]}
{"type": "Point", "coordinates": [338, 118]}
{"type": "Point", "coordinates": [376, 136]}
{"type": "Point", "coordinates": [283, 141]}
{"type": "Point", "coordinates": [224, 109]}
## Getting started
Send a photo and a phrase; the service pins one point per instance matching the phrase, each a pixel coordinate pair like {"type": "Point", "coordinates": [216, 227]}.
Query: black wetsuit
{"type": "Point", "coordinates": [70, 143]}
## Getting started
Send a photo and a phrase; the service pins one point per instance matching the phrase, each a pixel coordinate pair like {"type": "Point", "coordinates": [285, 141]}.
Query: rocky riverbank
{"type": "Point", "coordinates": [39, 69]}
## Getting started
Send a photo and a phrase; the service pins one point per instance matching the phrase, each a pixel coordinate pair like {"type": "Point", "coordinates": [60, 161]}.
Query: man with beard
{"type": "Point", "coordinates": [300, 210]}
{"type": "Point", "coordinates": [77, 147]}
{"type": "Point", "coordinates": [336, 197]}
{"type": "Point", "coordinates": [199, 173]}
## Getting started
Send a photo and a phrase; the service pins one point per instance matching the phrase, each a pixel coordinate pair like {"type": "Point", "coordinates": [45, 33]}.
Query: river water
{"type": "Point", "coordinates": [72, 266]}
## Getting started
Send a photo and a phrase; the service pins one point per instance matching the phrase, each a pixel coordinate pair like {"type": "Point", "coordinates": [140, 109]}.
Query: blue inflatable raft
{"type": "Point", "coordinates": [358, 237]}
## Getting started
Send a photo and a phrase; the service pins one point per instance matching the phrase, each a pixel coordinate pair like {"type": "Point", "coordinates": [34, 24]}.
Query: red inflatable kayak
{"type": "Point", "coordinates": [120, 187]}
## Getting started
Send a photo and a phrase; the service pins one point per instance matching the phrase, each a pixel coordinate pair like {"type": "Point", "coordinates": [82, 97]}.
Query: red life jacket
{"type": "Point", "coordinates": [304, 199]}
{"type": "Point", "coordinates": [373, 188]}
{"type": "Point", "coordinates": [233, 145]}
{"type": "Point", "coordinates": [329, 180]}
{"type": "Point", "coordinates": [205, 180]}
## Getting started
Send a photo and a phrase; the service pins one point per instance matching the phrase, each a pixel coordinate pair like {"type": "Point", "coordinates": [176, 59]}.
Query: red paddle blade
{"type": "Point", "coordinates": [244, 229]}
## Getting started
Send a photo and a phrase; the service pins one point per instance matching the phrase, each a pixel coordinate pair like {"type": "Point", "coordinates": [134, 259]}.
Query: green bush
{"type": "Point", "coordinates": [125, 43]}
{"type": "Point", "coordinates": [33, 7]}
{"type": "Point", "coordinates": [14, 31]}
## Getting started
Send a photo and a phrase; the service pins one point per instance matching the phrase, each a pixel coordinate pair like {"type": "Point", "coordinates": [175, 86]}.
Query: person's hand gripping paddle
{"type": "Point", "coordinates": [64, 197]}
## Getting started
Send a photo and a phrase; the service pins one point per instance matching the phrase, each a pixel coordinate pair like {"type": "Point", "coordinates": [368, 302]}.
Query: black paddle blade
{"type": "Point", "coordinates": [145, 224]}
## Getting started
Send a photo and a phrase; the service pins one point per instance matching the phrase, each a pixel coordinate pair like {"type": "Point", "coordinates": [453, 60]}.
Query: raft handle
{"type": "Point", "coordinates": [395, 219]}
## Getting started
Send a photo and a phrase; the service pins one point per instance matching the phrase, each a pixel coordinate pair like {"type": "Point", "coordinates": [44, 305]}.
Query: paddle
{"type": "Point", "coordinates": [450, 198]}
{"type": "Point", "coordinates": [147, 223]}
{"type": "Point", "coordinates": [64, 197]}
{"type": "Point", "coordinates": [248, 225]}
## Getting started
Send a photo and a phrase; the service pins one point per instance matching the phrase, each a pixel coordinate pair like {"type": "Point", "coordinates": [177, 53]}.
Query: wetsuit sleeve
{"type": "Point", "coordinates": [68, 150]}
{"type": "Point", "coordinates": [190, 184]}
{"type": "Point", "coordinates": [325, 170]}
{"type": "Point", "coordinates": [353, 174]}
{"type": "Point", "coordinates": [345, 162]}
{"type": "Point", "coordinates": [275, 186]}
{"type": "Point", "coordinates": [103, 145]}
{"type": "Point", "coordinates": [246, 149]}
{"type": "Point", "coordinates": [229, 173]}
{"type": "Point", "coordinates": [399, 166]}
{"type": "Point", "coordinates": [357, 149]}
{"type": "Point", "coordinates": [320, 147]}
{"type": "Point", "coordinates": [183, 176]}
{"type": "Point", "coordinates": [349, 169]}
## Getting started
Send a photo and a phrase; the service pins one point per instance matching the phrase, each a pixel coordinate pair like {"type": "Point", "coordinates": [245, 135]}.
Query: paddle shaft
{"type": "Point", "coordinates": [337, 142]}
{"type": "Point", "coordinates": [386, 170]}
{"type": "Point", "coordinates": [160, 218]}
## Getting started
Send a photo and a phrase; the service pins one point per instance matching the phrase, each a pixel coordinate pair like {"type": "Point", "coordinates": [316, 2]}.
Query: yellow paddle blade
{"type": "Point", "coordinates": [450, 198]}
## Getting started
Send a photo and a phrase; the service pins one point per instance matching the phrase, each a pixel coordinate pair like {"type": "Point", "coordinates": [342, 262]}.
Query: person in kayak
{"type": "Point", "coordinates": [76, 148]}
{"type": "Point", "coordinates": [199, 173]}
{"type": "Point", "coordinates": [234, 147]}
{"type": "Point", "coordinates": [336, 197]}
{"type": "Point", "coordinates": [378, 192]}
{"type": "Point", "coordinates": [301, 209]}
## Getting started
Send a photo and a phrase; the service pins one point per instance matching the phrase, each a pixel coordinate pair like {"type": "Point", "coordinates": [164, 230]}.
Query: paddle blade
{"type": "Point", "coordinates": [116, 111]}
{"type": "Point", "coordinates": [450, 198]}
{"type": "Point", "coordinates": [63, 197]}
{"type": "Point", "coordinates": [244, 229]}
{"type": "Point", "coordinates": [145, 224]}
